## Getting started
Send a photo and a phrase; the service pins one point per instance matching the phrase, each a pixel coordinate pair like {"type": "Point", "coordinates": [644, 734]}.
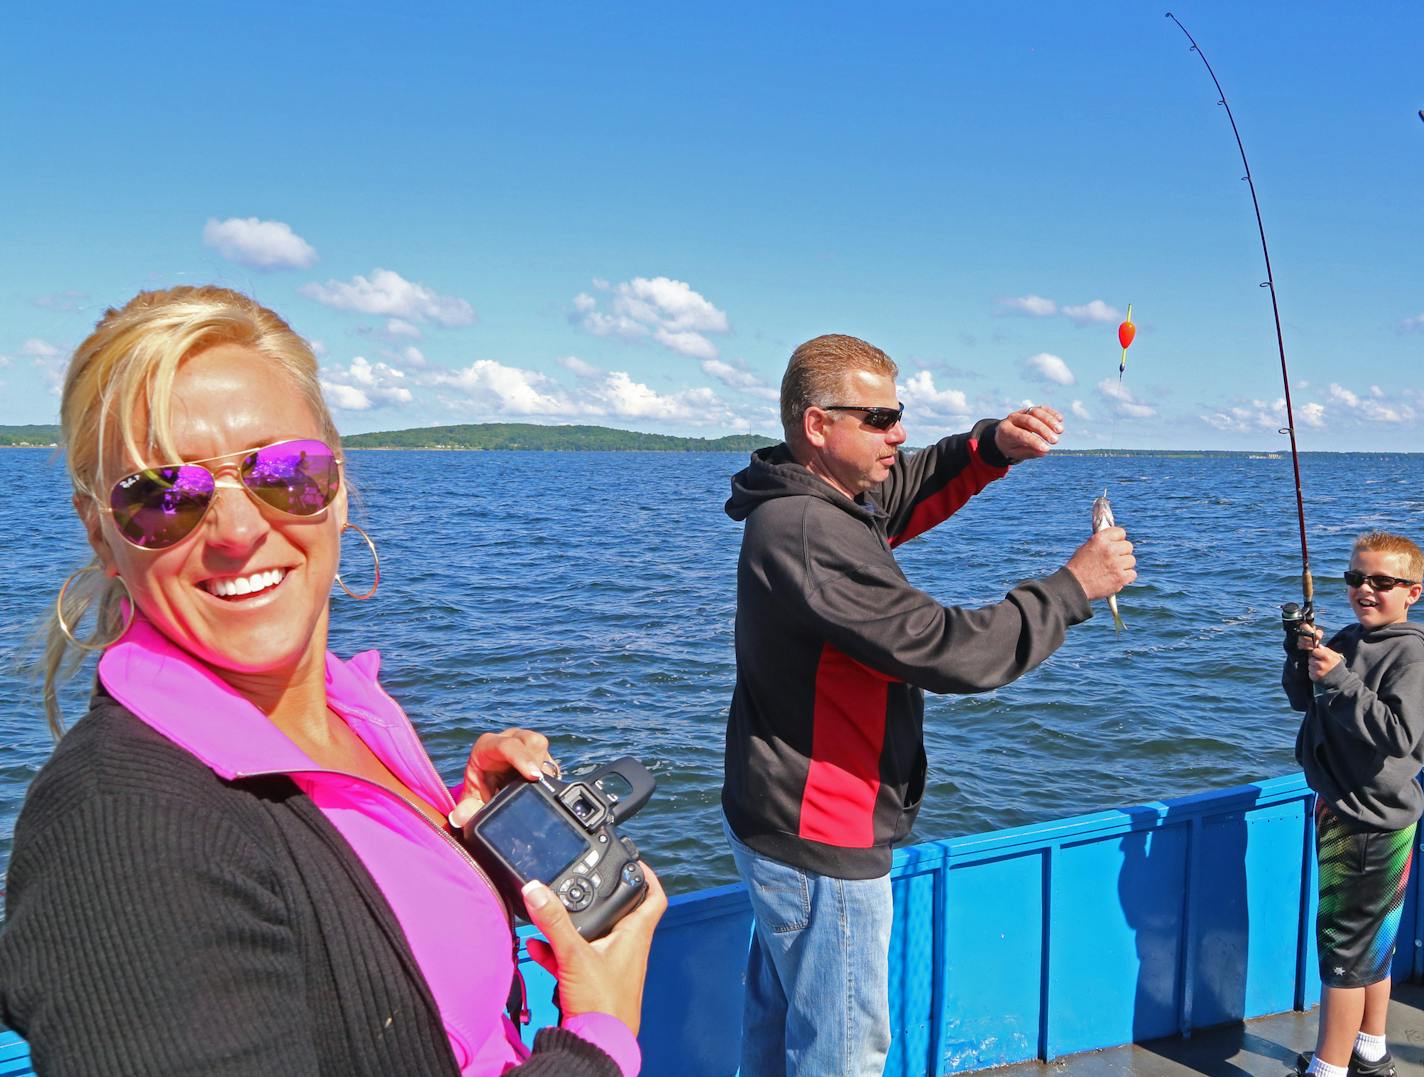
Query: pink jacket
{"type": "Point", "coordinates": [452, 919]}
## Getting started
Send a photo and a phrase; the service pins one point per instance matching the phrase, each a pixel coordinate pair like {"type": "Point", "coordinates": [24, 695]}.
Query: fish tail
{"type": "Point", "coordinates": [1118, 623]}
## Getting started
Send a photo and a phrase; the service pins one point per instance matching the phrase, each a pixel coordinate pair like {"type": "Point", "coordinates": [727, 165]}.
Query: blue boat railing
{"type": "Point", "coordinates": [1036, 942]}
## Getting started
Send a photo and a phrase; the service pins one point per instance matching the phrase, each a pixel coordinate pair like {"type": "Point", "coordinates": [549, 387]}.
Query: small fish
{"type": "Point", "coordinates": [1103, 518]}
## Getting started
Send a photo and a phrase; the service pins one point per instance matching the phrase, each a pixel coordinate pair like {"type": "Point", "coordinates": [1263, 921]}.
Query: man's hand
{"type": "Point", "coordinates": [1028, 433]}
{"type": "Point", "coordinates": [1104, 564]}
{"type": "Point", "coordinates": [1322, 661]}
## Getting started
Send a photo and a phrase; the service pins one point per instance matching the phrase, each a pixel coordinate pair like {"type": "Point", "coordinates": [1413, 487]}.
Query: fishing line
{"type": "Point", "coordinates": [1307, 585]}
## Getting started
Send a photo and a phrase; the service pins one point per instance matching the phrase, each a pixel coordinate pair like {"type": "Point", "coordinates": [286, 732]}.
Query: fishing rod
{"type": "Point", "coordinates": [1307, 585]}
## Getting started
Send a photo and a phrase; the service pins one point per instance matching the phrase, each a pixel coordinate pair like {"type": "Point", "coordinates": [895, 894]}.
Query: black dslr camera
{"type": "Point", "coordinates": [562, 833]}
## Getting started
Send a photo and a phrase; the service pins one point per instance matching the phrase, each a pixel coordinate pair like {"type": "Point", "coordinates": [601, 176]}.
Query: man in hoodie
{"type": "Point", "coordinates": [825, 761]}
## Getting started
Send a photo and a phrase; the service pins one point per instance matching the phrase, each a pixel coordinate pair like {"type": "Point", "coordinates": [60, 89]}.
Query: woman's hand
{"type": "Point", "coordinates": [495, 761]}
{"type": "Point", "coordinates": [604, 976]}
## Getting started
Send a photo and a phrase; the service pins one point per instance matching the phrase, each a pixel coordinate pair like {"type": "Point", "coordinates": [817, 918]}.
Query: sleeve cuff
{"type": "Point", "coordinates": [610, 1035]}
{"type": "Point", "coordinates": [1075, 600]}
{"type": "Point", "coordinates": [983, 434]}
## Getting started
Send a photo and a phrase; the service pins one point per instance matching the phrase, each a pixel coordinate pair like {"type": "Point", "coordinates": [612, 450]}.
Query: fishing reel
{"type": "Point", "coordinates": [1299, 622]}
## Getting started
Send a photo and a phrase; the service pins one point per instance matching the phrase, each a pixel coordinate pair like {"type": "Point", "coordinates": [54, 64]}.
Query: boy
{"type": "Point", "coordinates": [1361, 745]}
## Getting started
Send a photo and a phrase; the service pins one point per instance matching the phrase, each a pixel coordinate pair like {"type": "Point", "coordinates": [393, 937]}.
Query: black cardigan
{"type": "Point", "coordinates": [161, 920]}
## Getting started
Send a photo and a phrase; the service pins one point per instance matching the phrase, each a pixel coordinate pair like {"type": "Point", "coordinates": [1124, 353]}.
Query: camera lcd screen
{"type": "Point", "coordinates": [531, 835]}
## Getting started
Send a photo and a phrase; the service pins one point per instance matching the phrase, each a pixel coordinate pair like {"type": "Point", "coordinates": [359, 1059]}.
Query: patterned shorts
{"type": "Point", "coordinates": [1363, 876]}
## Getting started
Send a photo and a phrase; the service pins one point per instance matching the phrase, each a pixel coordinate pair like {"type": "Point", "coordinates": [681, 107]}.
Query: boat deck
{"type": "Point", "coordinates": [1265, 1047]}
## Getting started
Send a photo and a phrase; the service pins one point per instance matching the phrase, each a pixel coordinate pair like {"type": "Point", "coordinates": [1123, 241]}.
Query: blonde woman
{"type": "Point", "coordinates": [241, 860]}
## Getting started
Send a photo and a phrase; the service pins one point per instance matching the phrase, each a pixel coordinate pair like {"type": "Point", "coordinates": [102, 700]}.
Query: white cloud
{"type": "Point", "coordinates": [68, 300]}
{"type": "Point", "coordinates": [364, 385]}
{"type": "Point", "coordinates": [4, 361]}
{"type": "Point", "coordinates": [1034, 305]}
{"type": "Point", "coordinates": [39, 349]}
{"type": "Point", "coordinates": [505, 389]}
{"type": "Point", "coordinates": [258, 244]}
{"type": "Point", "coordinates": [920, 394]}
{"type": "Point", "coordinates": [1093, 311]}
{"type": "Point", "coordinates": [665, 310]}
{"type": "Point", "coordinates": [1122, 401]}
{"type": "Point", "coordinates": [578, 367]}
{"type": "Point", "coordinates": [1410, 325]}
{"type": "Point", "coordinates": [1313, 414]}
{"type": "Point", "coordinates": [398, 327]}
{"type": "Point", "coordinates": [1047, 367]}
{"type": "Point", "coordinates": [1250, 417]}
{"type": "Point", "coordinates": [489, 388]}
{"type": "Point", "coordinates": [387, 292]}
{"type": "Point", "coordinates": [740, 378]}
{"type": "Point", "coordinates": [1079, 410]}
{"type": "Point", "coordinates": [1377, 408]}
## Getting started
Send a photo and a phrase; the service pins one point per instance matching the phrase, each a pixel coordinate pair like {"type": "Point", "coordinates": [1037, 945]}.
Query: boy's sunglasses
{"type": "Point", "coordinates": [875, 418]}
{"type": "Point", "coordinates": [1379, 583]}
{"type": "Point", "coordinates": [160, 506]}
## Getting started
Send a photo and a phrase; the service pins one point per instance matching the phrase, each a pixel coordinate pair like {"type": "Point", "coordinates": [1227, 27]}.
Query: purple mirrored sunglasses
{"type": "Point", "coordinates": [160, 506]}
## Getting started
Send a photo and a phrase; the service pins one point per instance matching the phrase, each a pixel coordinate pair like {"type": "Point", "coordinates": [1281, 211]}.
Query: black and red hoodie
{"type": "Point", "coordinates": [825, 760]}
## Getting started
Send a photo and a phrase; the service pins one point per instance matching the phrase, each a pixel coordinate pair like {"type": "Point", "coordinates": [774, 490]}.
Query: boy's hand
{"type": "Point", "coordinates": [1308, 637]}
{"type": "Point", "coordinates": [1322, 661]}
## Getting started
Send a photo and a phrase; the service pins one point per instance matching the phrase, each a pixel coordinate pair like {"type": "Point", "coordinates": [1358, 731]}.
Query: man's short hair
{"type": "Point", "coordinates": [817, 373]}
{"type": "Point", "coordinates": [1387, 542]}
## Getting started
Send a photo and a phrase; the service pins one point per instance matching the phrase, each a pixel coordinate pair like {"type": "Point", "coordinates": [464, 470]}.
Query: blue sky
{"type": "Point", "coordinates": [630, 214]}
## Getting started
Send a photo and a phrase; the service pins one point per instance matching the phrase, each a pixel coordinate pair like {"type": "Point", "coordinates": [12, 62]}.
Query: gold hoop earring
{"type": "Point", "coordinates": [374, 557]}
{"type": "Point", "coordinates": [64, 625]}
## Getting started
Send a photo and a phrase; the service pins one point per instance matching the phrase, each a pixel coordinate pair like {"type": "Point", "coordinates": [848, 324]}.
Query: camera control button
{"type": "Point", "coordinates": [596, 881]}
{"type": "Point", "coordinates": [631, 849]}
{"type": "Point", "coordinates": [632, 875]}
{"type": "Point", "coordinates": [593, 857]}
{"type": "Point", "coordinates": [576, 895]}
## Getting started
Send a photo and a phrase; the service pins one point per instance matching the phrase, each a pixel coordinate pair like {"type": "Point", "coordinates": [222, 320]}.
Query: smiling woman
{"type": "Point", "coordinates": [266, 856]}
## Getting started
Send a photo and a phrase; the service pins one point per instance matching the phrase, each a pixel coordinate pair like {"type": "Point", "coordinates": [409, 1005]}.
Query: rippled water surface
{"type": "Point", "coordinates": [591, 596]}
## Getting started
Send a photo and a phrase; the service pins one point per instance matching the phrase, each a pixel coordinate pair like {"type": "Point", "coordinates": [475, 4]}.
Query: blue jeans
{"type": "Point", "coordinates": [818, 970]}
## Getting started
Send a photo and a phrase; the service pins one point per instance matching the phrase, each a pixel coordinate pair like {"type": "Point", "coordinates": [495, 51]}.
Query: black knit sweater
{"type": "Point", "coordinates": [160, 920]}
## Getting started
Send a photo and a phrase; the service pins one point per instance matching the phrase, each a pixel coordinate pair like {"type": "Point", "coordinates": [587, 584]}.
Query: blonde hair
{"type": "Point", "coordinates": [119, 386]}
{"type": "Point", "coordinates": [1387, 542]}
{"type": "Point", "coordinates": [817, 372]}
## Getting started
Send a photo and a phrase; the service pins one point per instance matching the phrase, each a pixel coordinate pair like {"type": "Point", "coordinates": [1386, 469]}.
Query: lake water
{"type": "Point", "coordinates": [591, 596]}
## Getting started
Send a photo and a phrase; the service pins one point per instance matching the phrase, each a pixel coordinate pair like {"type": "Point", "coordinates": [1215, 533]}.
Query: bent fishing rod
{"type": "Point", "coordinates": [1307, 585]}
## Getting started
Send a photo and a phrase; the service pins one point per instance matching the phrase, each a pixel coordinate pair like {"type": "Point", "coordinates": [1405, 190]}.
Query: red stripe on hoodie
{"type": "Point", "coordinates": [843, 781]}
{"type": "Point", "coordinates": [950, 498]}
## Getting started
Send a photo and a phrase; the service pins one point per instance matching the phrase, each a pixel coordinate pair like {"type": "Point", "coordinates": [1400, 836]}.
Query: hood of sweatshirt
{"type": "Point", "coordinates": [773, 473]}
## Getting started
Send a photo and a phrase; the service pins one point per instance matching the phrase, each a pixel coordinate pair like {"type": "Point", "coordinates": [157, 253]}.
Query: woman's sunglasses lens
{"type": "Point", "coordinates": [154, 509]}
{"type": "Point", "coordinates": [296, 477]}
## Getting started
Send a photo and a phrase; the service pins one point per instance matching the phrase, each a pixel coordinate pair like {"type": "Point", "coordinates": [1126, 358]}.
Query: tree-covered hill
{"type": "Point", "coordinates": [546, 438]}
{"type": "Point", "coordinates": [29, 435]}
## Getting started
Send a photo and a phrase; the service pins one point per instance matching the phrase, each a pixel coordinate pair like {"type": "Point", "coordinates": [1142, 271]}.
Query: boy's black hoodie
{"type": "Point", "coordinates": [1361, 743]}
{"type": "Point", "coordinates": [825, 762]}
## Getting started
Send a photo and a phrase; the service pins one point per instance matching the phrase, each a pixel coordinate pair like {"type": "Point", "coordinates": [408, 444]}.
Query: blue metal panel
{"type": "Point", "coordinates": [915, 964]}
{"type": "Point", "coordinates": [995, 942]}
{"type": "Point", "coordinates": [1115, 943]}
{"type": "Point", "coordinates": [1246, 914]}
{"type": "Point", "coordinates": [14, 1055]}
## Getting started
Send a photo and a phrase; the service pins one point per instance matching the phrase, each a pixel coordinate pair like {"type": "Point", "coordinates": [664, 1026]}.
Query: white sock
{"type": "Point", "coordinates": [1370, 1048]}
{"type": "Point", "coordinates": [1325, 1069]}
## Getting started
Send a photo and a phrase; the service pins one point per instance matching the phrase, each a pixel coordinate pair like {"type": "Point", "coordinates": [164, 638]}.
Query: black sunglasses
{"type": "Point", "coordinates": [1379, 583]}
{"type": "Point", "coordinates": [875, 418]}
